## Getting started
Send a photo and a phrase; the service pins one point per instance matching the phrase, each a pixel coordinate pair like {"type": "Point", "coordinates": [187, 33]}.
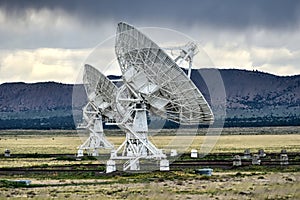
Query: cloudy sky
{"type": "Point", "coordinates": [49, 40]}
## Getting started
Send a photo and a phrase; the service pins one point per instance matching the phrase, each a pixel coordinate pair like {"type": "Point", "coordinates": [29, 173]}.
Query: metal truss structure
{"type": "Point", "coordinates": [101, 94]}
{"type": "Point", "coordinates": [186, 54]}
{"type": "Point", "coordinates": [152, 82]}
{"type": "Point", "coordinates": [161, 83]}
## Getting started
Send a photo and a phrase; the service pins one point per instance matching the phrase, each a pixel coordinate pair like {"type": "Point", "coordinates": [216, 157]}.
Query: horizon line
{"type": "Point", "coordinates": [204, 68]}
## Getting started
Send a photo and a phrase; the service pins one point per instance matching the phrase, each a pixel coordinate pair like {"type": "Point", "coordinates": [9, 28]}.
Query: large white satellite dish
{"type": "Point", "coordinates": [101, 94]}
{"type": "Point", "coordinates": [149, 71]}
{"type": "Point", "coordinates": [152, 82]}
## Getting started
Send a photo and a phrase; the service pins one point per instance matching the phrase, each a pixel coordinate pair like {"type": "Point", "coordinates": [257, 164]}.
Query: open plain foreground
{"type": "Point", "coordinates": [47, 159]}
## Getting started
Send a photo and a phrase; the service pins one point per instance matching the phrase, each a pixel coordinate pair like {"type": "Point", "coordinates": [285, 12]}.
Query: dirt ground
{"type": "Point", "coordinates": [223, 185]}
{"type": "Point", "coordinates": [267, 184]}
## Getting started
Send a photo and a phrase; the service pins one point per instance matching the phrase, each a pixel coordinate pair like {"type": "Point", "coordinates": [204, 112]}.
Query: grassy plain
{"type": "Point", "coordinates": [51, 142]}
{"type": "Point", "coordinates": [254, 183]}
{"type": "Point", "coordinates": [164, 185]}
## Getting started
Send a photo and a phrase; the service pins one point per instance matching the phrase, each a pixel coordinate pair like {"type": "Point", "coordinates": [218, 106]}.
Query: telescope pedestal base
{"type": "Point", "coordinates": [137, 147]}
{"type": "Point", "coordinates": [164, 165]}
{"type": "Point", "coordinates": [110, 166]}
{"type": "Point", "coordinates": [92, 145]}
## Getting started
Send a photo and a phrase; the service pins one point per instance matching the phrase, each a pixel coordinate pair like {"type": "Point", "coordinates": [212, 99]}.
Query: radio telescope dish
{"type": "Point", "coordinates": [101, 95]}
{"type": "Point", "coordinates": [159, 81]}
{"type": "Point", "coordinates": [152, 82]}
{"type": "Point", "coordinates": [96, 83]}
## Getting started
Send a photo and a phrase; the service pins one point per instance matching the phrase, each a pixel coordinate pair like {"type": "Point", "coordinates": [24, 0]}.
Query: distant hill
{"type": "Point", "coordinates": [258, 99]}
{"type": "Point", "coordinates": [252, 99]}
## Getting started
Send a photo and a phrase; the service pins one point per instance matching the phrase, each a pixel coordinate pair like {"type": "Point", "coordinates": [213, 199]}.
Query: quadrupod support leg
{"type": "Point", "coordinates": [94, 142]}
{"type": "Point", "coordinates": [137, 146]}
{"type": "Point", "coordinates": [133, 149]}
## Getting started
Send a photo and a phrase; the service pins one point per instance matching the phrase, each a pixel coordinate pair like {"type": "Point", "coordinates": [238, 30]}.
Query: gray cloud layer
{"type": "Point", "coordinates": [230, 13]}
{"type": "Point", "coordinates": [81, 24]}
{"type": "Point", "coordinates": [234, 33]}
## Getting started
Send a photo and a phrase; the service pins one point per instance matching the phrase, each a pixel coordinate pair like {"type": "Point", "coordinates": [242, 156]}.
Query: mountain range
{"type": "Point", "coordinates": [249, 98]}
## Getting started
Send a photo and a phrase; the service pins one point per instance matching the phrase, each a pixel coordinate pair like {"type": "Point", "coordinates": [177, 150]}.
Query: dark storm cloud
{"type": "Point", "coordinates": [236, 14]}
{"type": "Point", "coordinates": [36, 34]}
{"type": "Point", "coordinates": [83, 23]}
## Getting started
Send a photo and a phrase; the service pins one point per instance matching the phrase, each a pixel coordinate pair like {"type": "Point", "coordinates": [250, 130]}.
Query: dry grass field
{"type": "Point", "coordinates": [161, 186]}
{"type": "Point", "coordinates": [67, 143]}
{"type": "Point", "coordinates": [257, 183]}
{"type": "Point", "coordinates": [31, 144]}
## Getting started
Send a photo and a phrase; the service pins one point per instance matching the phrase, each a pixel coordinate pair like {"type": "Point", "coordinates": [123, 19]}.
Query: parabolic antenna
{"type": "Point", "coordinates": [101, 93]}
{"type": "Point", "coordinates": [149, 72]}
{"type": "Point", "coordinates": [152, 82]}
{"type": "Point", "coordinates": [96, 83]}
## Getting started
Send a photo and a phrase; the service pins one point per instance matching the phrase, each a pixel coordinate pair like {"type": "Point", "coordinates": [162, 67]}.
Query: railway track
{"type": "Point", "coordinates": [176, 165]}
{"type": "Point", "coordinates": [272, 155]}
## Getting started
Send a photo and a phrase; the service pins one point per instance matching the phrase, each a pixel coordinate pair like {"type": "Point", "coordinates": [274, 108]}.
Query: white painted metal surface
{"type": "Point", "coordinates": [194, 153]}
{"type": "Point", "coordinates": [101, 94]}
{"type": "Point", "coordinates": [152, 82]}
{"type": "Point", "coordinates": [157, 78]}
